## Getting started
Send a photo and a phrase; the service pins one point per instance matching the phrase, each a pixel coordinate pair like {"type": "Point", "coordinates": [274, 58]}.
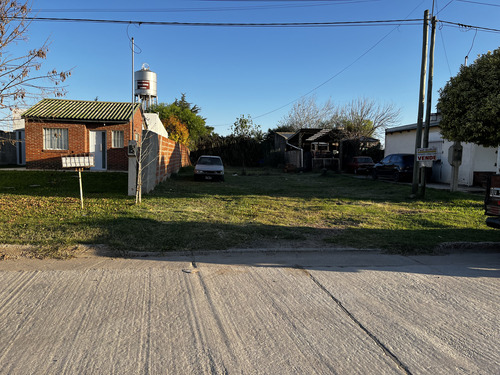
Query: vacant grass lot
{"type": "Point", "coordinates": [261, 209]}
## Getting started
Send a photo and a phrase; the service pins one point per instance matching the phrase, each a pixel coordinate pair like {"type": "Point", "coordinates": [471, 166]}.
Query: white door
{"type": "Point", "coordinates": [97, 145]}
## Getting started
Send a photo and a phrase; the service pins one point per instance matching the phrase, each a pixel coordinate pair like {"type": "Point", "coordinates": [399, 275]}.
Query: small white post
{"type": "Point", "coordinates": [81, 189]}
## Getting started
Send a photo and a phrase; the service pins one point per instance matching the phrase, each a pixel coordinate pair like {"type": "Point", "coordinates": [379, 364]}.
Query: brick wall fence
{"type": "Point", "coordinates": [161, 157]}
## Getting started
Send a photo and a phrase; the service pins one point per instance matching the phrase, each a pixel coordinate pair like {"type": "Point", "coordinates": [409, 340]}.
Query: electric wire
{"type": "Point", "coordinates": [479, 3]}
{"type": "Point", "coordinates": [443, 8]}
{"type": "Point", "coordinates": [470, 27]}
{"type": "Point", "coordinates": [440, 28]}
{"type": "Point", "coordinates": [396, 23]}
{"type": "Point", "coordinates": [342, 70]}
{"type": "Point", "coordinates": [229, 24]}
{"type": "Point", "coordinates": [472, 45]}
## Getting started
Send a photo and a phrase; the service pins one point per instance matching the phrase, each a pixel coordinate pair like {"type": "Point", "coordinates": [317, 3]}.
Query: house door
{"type": "Point", "coordinates": [97, 145]}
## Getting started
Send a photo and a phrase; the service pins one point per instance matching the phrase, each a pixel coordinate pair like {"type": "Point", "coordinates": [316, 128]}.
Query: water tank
{"type": "Point", "coordinates": [145, 83]}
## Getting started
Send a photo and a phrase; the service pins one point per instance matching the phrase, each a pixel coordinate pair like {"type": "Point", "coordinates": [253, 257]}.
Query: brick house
{"type": "Point", "coordinates": [56, 127]}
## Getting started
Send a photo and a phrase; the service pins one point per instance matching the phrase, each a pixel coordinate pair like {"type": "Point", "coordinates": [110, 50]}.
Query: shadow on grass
{"type": "Point", "coordinates": [311, 185]}
{"type": "Point", "coordinates": [148, 235]}
{"type": "Point", "coordinates": [276, 184]}
{"type": "Point", "coordinates": [285, 245]}
{"type": "Point", "coordinates": [64, 183]}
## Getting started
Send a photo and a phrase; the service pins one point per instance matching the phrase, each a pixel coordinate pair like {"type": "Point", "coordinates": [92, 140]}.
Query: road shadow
{"type": "Point", "coordinates": [276, 246]}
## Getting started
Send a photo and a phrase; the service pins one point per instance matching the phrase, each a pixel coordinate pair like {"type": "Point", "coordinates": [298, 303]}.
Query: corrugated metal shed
{"type": "Point", "coordinates": [80, 110]}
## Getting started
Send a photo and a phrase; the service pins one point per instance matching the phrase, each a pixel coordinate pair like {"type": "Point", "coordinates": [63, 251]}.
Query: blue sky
{"type": "Point", "coordinates": [230, 71]}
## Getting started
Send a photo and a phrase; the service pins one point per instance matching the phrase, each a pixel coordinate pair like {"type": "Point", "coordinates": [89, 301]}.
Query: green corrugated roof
{"type": "Point", "coordinates": [81, 110]}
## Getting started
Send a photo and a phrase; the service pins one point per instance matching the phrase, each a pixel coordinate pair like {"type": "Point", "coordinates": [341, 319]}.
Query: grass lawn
{"type": "Point", "coordinates": [261, 209]}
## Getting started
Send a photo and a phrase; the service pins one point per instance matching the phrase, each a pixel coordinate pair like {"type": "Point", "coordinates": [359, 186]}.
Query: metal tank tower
{"type": "Point", "coordinates": [145, 86]}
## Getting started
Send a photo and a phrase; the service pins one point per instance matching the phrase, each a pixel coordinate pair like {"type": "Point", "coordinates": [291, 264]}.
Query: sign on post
{"type": "Point", "coordinates": [426, 156]}
{"type": "Point", "coordinates": [78, 162]}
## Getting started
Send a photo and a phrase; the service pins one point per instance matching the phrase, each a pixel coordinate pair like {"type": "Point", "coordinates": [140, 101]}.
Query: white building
{"type": "Point", "coordinates": [477, 161]}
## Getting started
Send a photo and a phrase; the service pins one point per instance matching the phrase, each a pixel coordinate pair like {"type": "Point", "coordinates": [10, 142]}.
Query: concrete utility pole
{"type": "Point", "coordinates": [418, 138]}
{"type": "Point", "coordinates": [133, 96]}
{"type": "Point", "coordinates": [429, 98]}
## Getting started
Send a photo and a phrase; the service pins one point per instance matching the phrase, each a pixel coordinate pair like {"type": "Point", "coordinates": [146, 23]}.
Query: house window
{"type": "Point", "coordinates": [55, 139]}
{"type": "Point", "coordinates": [117, 138]}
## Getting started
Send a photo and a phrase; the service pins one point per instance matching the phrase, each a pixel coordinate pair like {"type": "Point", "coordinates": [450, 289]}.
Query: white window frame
{"type": "Point", "coordinates": [117, 138]}
{"type": "Point", "coordinates": [55, 139]}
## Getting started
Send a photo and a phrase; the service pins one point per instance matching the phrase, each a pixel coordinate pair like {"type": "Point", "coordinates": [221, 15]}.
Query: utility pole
{"type": "Point", "coordinates": [131, 137]}
{"type": "Point", "coordinates": [418, 138]}
{"type": "Point", "coordinates": [429, 98]}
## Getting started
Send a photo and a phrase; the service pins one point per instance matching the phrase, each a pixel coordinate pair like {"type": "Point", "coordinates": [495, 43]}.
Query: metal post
{"type": "Point", "coordinates": [418, 137]}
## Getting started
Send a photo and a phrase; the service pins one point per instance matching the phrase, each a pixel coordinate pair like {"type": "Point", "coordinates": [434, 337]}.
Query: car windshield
{"type": "Point", "coordinates": [209, 161]}
{"type": "Point", "coordinates": [365, 160]}
{"type": "Point", "coordinates": [408, 159]}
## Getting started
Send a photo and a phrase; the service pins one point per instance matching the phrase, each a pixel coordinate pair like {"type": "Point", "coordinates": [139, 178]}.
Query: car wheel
{"type": "Point", "coordinates": [396, 176]}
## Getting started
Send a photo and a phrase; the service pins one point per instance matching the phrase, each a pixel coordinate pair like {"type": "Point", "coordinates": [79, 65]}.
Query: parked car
{"type": "Point", "coordinates": [492, 202]}
{"type": "Point", "coordinates": [209, 168]}
{"type": "Point", "coordinates": [360, 164]}
{"type": "Point", "coordinates": [397, 167]}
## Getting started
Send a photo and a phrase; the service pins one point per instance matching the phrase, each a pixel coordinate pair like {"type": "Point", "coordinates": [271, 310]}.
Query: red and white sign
{"type": "Point", "coordinates": [426, 154]}
{"type": "Point", "coordinates": [142, 85]}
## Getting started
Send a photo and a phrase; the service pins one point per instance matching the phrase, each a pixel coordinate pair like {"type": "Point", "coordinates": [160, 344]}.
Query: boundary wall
{"type": "Point", "coordinates": [161, 158]}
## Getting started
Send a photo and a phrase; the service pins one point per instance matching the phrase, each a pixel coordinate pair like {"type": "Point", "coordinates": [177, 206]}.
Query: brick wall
{"type": "Point", "coordinates": [163, 157]}
{"type": "Point", "coordinates": [78, 142]}
{"type": "Point", "coordinates": [38, 158]}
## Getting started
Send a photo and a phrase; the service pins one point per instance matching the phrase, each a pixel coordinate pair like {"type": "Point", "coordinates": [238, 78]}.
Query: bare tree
{"type": "Point", "coordinates": [305, 113]}
{"type": "Point", "coordinates": [20, 76]}
{"type": "Point", "coordinates": [364, 117]}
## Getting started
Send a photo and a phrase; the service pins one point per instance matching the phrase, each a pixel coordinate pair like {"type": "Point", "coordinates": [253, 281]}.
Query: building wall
{"type": "Point", "coordinates": [38, 158]}
{"type": "Point", "coordinates": [404, 141]}
{"type": "Point", "coordinates": [78, 142]}
{"type": "Point", "coordinates": [7, 148]}
{"type": "Point", "coordinates": [474, 158]}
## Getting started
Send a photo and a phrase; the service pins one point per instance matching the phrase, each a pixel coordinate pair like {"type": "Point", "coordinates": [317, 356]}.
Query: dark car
{"type": "Point", "coordinates": [492, 202]}
{"type": "Point", "coordinates": [397, 167]}
{"type": "Point", "coordinates": [360, 164]}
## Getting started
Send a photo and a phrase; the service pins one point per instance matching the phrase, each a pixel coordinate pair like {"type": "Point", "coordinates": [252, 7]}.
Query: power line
{"type": "Point", "coordinates": [470, 27]}
{"type": "Point", "coordinates": [229, 24]}
{"type": "Point", "coordinates": [479, 2]}
{"type": "Point", "coordinates": [443, 8]}
{"type": "Point", "coordinates": [342, 70]}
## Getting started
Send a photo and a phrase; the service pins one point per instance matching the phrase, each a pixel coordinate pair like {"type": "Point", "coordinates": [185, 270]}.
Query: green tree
{"type": "Point", "coordinates": [188, 115]}
{"type": "Point", "coordinates": [470, 103]}
{"type": "Point", "coordinates": [245, 128]}
{"type": "Point", "coordinates": [177, 131]}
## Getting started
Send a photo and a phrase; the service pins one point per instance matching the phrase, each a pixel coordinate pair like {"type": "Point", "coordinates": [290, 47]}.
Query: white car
{"type": "Point", "coordinates": [209, 168]}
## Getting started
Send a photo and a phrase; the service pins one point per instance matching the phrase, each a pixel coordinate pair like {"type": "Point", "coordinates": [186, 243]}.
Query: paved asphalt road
{"type": "Point", "coordinates": [341, 312]}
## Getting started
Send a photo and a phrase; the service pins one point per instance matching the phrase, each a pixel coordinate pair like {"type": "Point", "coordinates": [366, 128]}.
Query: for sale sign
{"type": "Point", "coordinates": [426, 154]}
